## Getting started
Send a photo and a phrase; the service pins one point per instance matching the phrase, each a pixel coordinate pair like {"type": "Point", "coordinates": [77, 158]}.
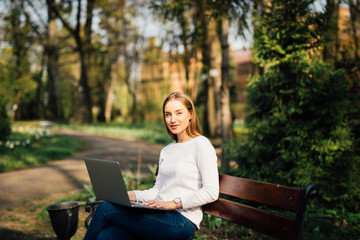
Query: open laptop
{"type": "Point", "coordinates": [108, 183]}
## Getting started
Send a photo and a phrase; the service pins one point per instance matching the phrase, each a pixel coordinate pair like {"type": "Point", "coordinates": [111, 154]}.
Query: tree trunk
{"type": "Point", "coordinates": [258, 6]}
{"type": "Point", "coordinates": [40, 89]}
{"type": "Point", "coordinates": [331, 48]}
{"type": "Point", "coordinates": [110, 92]}
{"type": "Point", "coordinates": [226, 121]}
{"type": "Point", "coordinates": [131, 82]}
{"type": "Point", "coordinates": [184, 24]}
{"type": "Point", "coordinates": [354, 20]}
{"type": "Point", "coordinates": [134, 115]}
{"type": "Point", "coordinates": [211, 59]}
{"type": "Point", "coordinates": [54, 98]}
{"type": "Point", "coordinates": [83, 42]}
{"type": "Point", "coordinates": [85, 56]}
{"type": "Point", "coordinates": [214, 96]}
{"type": "Point", "coordinates": [84, 113]}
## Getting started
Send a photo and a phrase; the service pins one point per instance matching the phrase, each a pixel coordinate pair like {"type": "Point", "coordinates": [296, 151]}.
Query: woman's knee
{"type": "Point", "coordinates": [105, 208]}
{"type": "Point", "coordinates": [113, 233]}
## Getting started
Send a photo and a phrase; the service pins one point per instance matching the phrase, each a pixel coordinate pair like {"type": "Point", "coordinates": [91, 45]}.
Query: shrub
{"type": "Point", "coordinates": [5, 126]}
{"type": "Point", "coordinates": [299, 112]}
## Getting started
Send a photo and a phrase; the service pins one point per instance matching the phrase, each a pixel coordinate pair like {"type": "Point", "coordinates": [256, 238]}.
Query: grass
{"type": "Point", "coordinates": [30, 220]}
{"type": "Point", "coordinates": [27, 148]}
{"type": "Point", "coordinates": [147, 131]}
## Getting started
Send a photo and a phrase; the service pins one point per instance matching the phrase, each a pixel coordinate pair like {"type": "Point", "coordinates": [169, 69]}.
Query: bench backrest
{"type": "Point", "coordinates": [277, 196]}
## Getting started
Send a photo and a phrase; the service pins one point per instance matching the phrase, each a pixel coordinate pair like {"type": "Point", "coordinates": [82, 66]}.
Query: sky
{"type": "Point", "coordinates": [150, 27]}
{"type": "Point", "coordinates": [153, 28]}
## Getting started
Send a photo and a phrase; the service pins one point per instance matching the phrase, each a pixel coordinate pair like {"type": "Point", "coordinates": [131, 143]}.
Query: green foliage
{"type": "Point", "coordinates": [286, 27]}
{"type": "Point", "coordinates": [333, 224]}
{"type": "Point", "coordinates": [217, 228]}
{"type": "Point", "coordinates": [213, 222]}
{"type": "Point", "coordinates": [148, 131]}
{"type": "Point", "coordinates": [5, 127]}
{"type": "Point", "coordinates": [15, 68]}
{"type": "Point", "coordinates": [40, 151]}
{"type": "Point", "coordinates": [90, 192]}
{"type": "Point", "coordinates": [5, 89]}
{"type": "Point", "coordinates": [299, 112]}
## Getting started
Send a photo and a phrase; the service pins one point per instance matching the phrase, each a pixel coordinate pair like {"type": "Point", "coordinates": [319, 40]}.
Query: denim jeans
{"type": "Point", "coordinates": [112, 221]}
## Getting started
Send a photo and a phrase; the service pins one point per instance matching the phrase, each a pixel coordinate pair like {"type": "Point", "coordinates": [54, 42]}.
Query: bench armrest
{"type": "Point", "coordinates": [90, 207]}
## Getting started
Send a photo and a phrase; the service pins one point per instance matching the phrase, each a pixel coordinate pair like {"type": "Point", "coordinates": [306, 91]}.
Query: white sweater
{"type": "Point", "coordinates": [187, 171]}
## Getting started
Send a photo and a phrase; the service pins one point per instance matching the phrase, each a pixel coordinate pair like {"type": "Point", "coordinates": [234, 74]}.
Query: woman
{"type": "Point", "coordinates": [186, 180]}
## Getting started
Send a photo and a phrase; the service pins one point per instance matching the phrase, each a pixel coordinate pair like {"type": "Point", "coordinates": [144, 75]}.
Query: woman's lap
{"type": "Point", "coordinates": [114, 233]}
{"type": "Point", "coordinates": [140, 223]}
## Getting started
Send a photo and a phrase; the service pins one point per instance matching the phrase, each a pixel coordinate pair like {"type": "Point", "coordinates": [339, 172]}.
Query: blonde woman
{"type": "Point", "coordinates": [186, 180]}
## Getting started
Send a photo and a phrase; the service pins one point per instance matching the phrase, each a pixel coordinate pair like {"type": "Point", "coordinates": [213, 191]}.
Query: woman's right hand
{"type": "Point", "coordinates": [132, 196]}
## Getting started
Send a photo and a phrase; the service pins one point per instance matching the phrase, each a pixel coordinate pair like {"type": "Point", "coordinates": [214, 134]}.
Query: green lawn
{"type": "Point", "coordinates": [148, 131]}
{"type": "Point", "coordinates": [31, 146]}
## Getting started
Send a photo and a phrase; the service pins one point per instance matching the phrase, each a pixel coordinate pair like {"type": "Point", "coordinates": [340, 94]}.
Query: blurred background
{"type": "Point", "coordinates": [275, 82]}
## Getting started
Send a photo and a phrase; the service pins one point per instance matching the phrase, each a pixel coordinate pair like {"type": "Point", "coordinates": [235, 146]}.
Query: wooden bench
{"type": "Point", "coordinates": [246, 213]}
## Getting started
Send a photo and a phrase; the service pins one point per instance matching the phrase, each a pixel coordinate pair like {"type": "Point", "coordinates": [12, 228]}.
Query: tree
{"type": "Point", "coordinates": [354, 22]}
{"type": "Point", "coordinates": [299, 109]}
{"type": "Point", "coordinates": [331, 48]}
{"type": "Point", "coordinates": [83, 47]}
{"type": "Point", "coordinates": [179, 12]}
{"type": "Point", "coordinates": [5, 126]}
{"type": "Point", "coordinates": [112, 18]}
{"type": "Point", "coordinates": [124, 45]}
{"type": "Point", "coordinates": [226, 12]}
{"type": "Point", "coordinates": [206, 30]}
{"type": "Point", "coordinates": [19, 34]}
{"type": "Point", "coordinates": [52, 52]}
{"type": "Point", "coordinates": [32, 103]}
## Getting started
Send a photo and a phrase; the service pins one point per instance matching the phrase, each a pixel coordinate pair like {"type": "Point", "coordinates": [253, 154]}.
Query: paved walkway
{"type": "Point", "coordinates": [70, 174]}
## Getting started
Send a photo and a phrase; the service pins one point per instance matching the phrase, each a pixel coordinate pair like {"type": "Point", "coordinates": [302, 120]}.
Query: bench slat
{"type": "Point", "coordinates": [272, 224]}
{"type": "Point", "coordinates": [283, 197]}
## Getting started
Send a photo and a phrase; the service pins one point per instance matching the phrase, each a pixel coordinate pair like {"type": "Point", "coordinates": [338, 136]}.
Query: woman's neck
{"type": "Point", "coordinates": [183, 138]}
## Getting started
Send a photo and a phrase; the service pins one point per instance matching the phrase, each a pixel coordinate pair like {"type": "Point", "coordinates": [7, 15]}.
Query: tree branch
{"type": "Point", "coordinates": [55, 9]}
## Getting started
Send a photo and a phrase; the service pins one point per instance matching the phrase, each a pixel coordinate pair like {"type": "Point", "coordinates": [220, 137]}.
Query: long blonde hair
{"type": "Point", "coordinates": [194, 129]}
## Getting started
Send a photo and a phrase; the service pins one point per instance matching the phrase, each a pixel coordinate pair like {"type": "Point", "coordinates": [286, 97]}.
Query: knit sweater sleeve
{"type": "Point", "coordinates": [207, 165]}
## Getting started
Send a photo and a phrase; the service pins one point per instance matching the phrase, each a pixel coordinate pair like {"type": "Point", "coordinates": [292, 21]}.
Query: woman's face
{"type": "Point", "coordinates": [177, 118]}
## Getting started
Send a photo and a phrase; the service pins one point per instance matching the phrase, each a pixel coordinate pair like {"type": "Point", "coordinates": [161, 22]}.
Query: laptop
{"type": "Point", "coordinates": [108, 183]}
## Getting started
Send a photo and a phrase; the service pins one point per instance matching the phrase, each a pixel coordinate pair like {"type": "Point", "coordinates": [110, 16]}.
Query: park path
{"type": "Point", "coordinates": [70, 174]}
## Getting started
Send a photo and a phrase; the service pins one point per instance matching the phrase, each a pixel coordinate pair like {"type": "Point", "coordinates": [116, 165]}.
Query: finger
{"type": "Point", "coordinates": [148, 202]}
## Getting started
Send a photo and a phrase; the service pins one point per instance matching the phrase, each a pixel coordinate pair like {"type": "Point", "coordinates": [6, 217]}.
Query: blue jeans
{"type": "Point", "coordinates": [112, 221]}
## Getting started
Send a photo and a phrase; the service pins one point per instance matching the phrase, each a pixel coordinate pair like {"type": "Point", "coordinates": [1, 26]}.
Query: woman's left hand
{"type": "Point", "coordinates": [171, 205]}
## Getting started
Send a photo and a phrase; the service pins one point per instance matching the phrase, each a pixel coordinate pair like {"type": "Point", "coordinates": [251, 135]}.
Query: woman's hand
{"type": "Point", "coordinates": [132, 196]}
{"type": "Point", "coordinates": [171, 205]}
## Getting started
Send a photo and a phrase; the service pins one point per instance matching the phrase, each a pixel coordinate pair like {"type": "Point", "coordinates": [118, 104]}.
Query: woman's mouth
{"type": "Point", "coordinates": [174, 126]}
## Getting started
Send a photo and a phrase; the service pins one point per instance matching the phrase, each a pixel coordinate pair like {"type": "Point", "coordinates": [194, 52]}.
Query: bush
{"type": "Point", "coordinates": [5, 126]}
{"type": "Point", "coordinates": [29, 150]}
{"type": "Point", "coordinates": [299, 112]}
